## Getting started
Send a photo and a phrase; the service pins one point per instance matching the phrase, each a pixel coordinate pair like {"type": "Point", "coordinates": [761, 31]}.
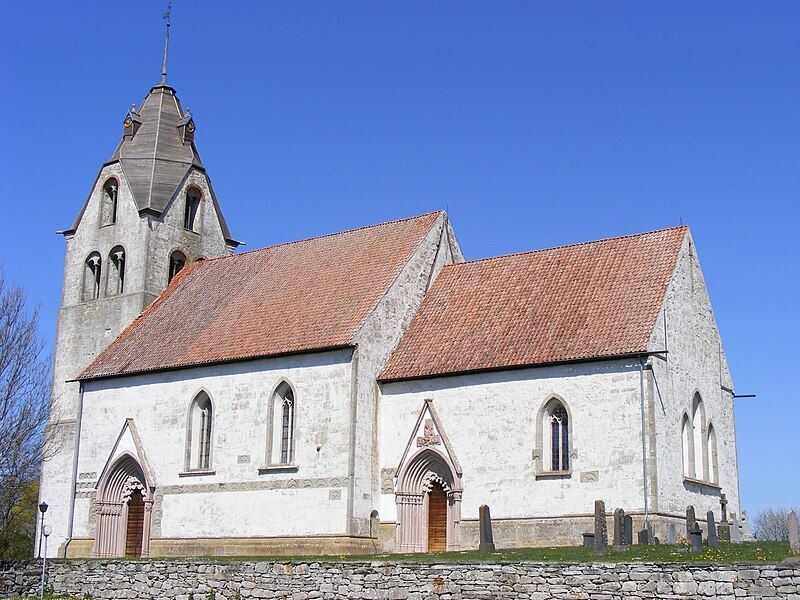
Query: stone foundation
{"type": "Point", "coordinates": [266, 546]}
{"type": "Point", "coordinates": [399, 581]}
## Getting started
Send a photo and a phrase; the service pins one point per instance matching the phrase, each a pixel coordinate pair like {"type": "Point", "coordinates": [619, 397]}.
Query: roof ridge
{"type": "Point", "coordinates": [325, 235]}
{"type": "Point", "coordinates": [575, 245]}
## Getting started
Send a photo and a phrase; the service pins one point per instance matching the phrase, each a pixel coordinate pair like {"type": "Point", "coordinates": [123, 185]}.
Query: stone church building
{"type": "Point", "coordinates": [365, 390]}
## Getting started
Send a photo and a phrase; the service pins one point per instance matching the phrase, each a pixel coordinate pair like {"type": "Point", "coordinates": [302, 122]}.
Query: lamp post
{"type": "Point", "coordinates": [42, 509]}
{"type": "Point", "coordinates": [45, 533]}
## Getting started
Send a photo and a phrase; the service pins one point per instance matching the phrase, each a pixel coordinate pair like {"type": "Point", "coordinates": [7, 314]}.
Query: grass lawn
{"type": "Point", "coordinates": [750, 552]}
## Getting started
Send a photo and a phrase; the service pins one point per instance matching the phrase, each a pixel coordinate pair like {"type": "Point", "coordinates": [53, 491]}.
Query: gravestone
{"type": "Point", "coordinates": [628, 530]}
{"type": "Point", "coordinates": [696, 538]}
{"type": "Point", "coordinates": [600, 528]}
{"type": "Point", "coordinates": [619, 528]}
{"type": "Point", "coordinates": [487, 541]}
{"type": "Point", "coordinates": [794, 534]}
{"type": "Point", "coordinates": [736, 532]}
{"type": "Point", "coordinates": [723, 502]}
{"type": "Point", "coordinates": [672, 534]}
{"type": "Point", "coordinates": [643, 538]}
{"type": "Point", "coordinates": [747, 535]}
{"type": "Point", "coordinates": [713, 540]}
{"type": "Point", "coordinates": [691, 520]}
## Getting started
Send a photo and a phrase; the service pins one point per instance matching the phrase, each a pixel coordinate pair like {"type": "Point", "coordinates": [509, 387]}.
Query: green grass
{"type": "Point", "coordinates": [750, 552]}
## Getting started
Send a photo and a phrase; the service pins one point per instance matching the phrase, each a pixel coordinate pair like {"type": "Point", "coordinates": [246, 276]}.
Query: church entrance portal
{"type": "Point", "coordinates": [428, 501]}
{"type": "Point", "coordinates": [437, 519]}
{"type": "Point", "coordinates": [124, 503]}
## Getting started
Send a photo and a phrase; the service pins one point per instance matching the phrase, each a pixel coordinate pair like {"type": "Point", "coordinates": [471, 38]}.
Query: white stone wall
{"type": "Point", "coordinates": [236, 500]}
{"type": "Point", "coordinates": [377, 337]}
{"type": "Point", "coordinates": [695, 363]}
{"type": "Point", "coordinates": [490, 420]}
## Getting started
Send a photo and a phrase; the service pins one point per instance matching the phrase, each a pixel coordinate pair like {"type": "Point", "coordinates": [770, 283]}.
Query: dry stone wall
{"type": "Point", "coordinates": [400, 581]}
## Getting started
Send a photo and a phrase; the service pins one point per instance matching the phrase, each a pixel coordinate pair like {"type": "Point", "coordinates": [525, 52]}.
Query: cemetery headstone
{"type": "Point", "coordinates": [747, 535]}
{"type": "Point", "coordinates": [600, 528]}
{"type": "Point", "coordinates": [628, 530]}
{"type": "Point", "coordinates": [588, 540]}
{"type": "Point", "coordinates": [672, 534]}
{"type": "Point", "coordinates": [723, 502]}
{"type": "Point", "coordinates": [487, 541]}
{"type": "Point", "coordinates": [736, 531]}
{"type": "Point", "coordinates": [619, 527]}
{"type": "Point", "coordinates": [713, 540]}
{"type": "Point", "coordinates": [643, 537]}
{"type": "Point", "coordinates": [691, 520]}
{"type": "Point", "coordinates": [696, 538]}
{"type": "Point", "coordinates": [794, 534]}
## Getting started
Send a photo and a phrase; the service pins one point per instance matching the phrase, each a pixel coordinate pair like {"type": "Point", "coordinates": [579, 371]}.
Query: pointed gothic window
{"type": "Point", "coordinates": [198, 446]}
{"type": "Point", "coordinates": [192, 206]}
{"type": "Point", "coordinates": [686, 446]}
{"type": "Point", "coordinates": [713, 466]}
{"type": "Point", "coordinates": [177, 260]}
{"type": "Point", "coordinates": [91, 277]}
{"type": "Point", "coordinates": [116, 271]}
{"type": "Point", "coordinates": [699, 438]}
{"type": "Point", "coordinates": [281, 442]}
{"type": "Point", "coordinates": [559, 439]}
{"type": "Point", "coordinates": [108, 204]}
{"type": "Point", "coordinates": [553, 442]}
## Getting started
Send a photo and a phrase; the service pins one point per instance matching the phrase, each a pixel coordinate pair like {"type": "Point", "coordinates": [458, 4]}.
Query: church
{"type": "Point", "coordinates": [367, 390]}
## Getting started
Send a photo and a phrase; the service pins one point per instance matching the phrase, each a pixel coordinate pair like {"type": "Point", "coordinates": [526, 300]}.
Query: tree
{"type": "Point", "coordinates": [771, 524]}
{"type": "Point", "coordinates": [24, 407]}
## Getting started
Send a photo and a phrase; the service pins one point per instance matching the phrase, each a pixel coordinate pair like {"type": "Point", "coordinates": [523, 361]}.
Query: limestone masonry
{"type": "Point", "coordinates": [393, 581]}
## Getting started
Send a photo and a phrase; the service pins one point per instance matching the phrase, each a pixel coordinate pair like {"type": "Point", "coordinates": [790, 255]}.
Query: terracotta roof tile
{"type": "Point", "coordinates": [301, 296]}
{"type": "Point", "coordinates": [562, 304]}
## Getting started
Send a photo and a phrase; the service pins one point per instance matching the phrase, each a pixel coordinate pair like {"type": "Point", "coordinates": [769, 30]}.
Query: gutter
{"type": "Point", "coordinates": [74, 479]}
{"type": "Point", "coordinates": [644, 446]}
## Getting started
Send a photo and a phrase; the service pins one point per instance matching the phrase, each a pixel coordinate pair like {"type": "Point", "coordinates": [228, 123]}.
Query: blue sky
{"type": "Point", "coordinates": [533, 124]}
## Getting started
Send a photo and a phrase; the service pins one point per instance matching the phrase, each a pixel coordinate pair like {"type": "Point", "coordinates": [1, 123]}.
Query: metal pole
{"type": "Point", "coordinates": [44, 567]}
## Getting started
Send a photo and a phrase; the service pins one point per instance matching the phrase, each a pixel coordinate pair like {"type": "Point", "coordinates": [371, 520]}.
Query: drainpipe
{"type": "Point", "coordinates": [644, 446]}
{"type": "Point", "coordinates": [74, 480]}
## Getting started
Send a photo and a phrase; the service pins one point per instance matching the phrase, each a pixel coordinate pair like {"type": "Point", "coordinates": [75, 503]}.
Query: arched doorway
{"type": "Point", "coordinates": [428, 501]}
{"type": "Point", "coordinates": [124, 501]}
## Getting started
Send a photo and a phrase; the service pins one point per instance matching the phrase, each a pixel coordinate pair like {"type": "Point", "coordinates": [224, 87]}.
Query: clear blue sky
{"type": "Point", "coordinates": [534, 124]}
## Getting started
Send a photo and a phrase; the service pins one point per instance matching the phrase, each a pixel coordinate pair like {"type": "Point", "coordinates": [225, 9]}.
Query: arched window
{"type": "Point", "coordinates": [198, 444]}
{"type": "Point", "coordinates": [108, 203]}
{"type": "Point", "coordinates": [699, 438]}
{"type": "Point", "coordinates": [713, 475]}
{"type": "Point", "coordinates": [192, 206]}
{"type": "Point", "coordinates": [553, 443]}
{"type": "Point", "coordinates": [91, 277]}
{"type": "Point", "coordinates": [177, 260]}
{"type": "Point", "coordinates": [686, 446]}
{"type": "Point", "coordinates": [281, 442]}
{"type": "Point", "coordinates": [116, 271]}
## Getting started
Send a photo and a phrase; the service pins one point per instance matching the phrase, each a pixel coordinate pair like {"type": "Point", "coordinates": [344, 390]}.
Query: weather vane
{"type": "Point", "coordinates": [166, 16]}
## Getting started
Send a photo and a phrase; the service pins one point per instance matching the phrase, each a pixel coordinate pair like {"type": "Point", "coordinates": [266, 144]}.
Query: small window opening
{"type": "Point", "coordinates": [91, 277]}
{"type": "Point", "coordinates": [200, 426]}
{"type": "Point", "coordinates": [108, 208]}
{"type": "Point", "coordinates": [116, 273]}
{"type": "Point", "coordinates": [559, 427]}
{"type": "Point", "coordinates": [192, 205]}
{"type": "Point", "coordinates": [177, 260]}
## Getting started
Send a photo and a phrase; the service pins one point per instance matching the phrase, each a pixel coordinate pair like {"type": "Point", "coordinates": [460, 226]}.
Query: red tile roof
{"type": "Point", "coordinates": [296, 297]}
{"type": "Point", "coordinates": [563, 304]}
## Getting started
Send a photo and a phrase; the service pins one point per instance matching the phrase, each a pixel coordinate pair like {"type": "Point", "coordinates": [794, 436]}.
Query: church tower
{"type": "Point", "coordinates": [150, 211]}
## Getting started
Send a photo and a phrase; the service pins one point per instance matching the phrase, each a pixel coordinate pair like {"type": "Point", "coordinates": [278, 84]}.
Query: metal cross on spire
{"type": "Point", "coordinates": [166, 17]}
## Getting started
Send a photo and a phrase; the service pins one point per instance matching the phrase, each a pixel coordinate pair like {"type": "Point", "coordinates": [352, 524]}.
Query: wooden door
{"type": "Point", "coordinates": [437, 520]}
{"type": "Point", "coordinates": [135, 525]}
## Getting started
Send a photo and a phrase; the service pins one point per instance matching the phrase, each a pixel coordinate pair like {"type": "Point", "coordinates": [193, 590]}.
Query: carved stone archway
{"type": "Point", "coordinates": [122, 481]}
{"type": "Point", "coordinates": [426, 469]}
